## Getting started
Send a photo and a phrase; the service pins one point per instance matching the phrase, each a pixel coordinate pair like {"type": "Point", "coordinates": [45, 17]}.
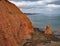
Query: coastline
{"type": "Point", "coordinates": [40, 39]}
{"type": "Point", "coordinates": [42, 31]}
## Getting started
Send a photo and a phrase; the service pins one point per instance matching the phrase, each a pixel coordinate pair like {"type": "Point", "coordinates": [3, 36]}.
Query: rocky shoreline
{"type": "Point", "coordinates": [40, 39]}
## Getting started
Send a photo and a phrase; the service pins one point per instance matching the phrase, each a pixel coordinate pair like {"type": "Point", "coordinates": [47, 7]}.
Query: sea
{"type": "Point", "coordinates": [42, 20]}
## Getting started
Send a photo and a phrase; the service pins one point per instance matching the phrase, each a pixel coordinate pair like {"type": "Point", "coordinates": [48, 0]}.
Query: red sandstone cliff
{"type": "Point", "coordinates": [14, 25]}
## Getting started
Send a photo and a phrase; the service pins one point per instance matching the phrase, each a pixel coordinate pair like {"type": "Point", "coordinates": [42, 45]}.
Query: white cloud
{"type": "Point", "coordinates": [49, 1]}
{"type": "Point", "coordinates": [36, 3]}
{"type": "Point", "coordinates": [40, 6]}
{"type": "Point", "coordinates": [28, 3]}
{"type": "Point", "coordinates": [53, 6]}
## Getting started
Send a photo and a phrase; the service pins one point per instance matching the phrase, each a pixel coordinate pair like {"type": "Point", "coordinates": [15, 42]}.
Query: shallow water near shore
{"type": "Point", "coordinates": [41, 20]}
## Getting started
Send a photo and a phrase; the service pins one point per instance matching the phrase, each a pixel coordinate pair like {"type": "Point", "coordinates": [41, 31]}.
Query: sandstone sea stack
{"type": "Point", "coordinates": [14, 25]}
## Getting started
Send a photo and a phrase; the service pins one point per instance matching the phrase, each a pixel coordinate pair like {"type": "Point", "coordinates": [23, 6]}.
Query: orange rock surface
{"type": "Point", "coordinates": [14, 25]}
{"type": "Point", "coordinates": [48, 31]}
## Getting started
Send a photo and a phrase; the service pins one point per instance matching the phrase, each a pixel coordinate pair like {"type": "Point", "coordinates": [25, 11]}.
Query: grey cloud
{"type": "Point", "coordinates": [56, 2]}
{"type": "Point", "coordinates": [39, 8]}
{"type": "Point", "coordinates": [24, 0]}
{"type": "Point", "coordinates": [33, 7]}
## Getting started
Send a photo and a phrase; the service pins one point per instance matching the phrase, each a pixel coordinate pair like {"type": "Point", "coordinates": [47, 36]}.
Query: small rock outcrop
{"type": "Point", "coordinates": [14, 25]}
{"type": "Point", "coordinates": [48, 31]}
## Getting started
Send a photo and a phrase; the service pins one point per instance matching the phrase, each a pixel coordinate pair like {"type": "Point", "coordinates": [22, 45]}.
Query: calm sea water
{"type": "Point", "coordinates": [40, 21]}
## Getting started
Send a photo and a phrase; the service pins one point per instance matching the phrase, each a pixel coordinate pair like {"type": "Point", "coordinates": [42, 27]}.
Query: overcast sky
{"type": "Point", "coordinates": [38, 6]}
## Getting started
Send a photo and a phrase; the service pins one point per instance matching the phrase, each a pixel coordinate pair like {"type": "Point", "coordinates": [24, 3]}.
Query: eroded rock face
{"type": "Point", "coordinates": [14, 25]}
{"type": "Point", "coordinates": [48, 31]}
